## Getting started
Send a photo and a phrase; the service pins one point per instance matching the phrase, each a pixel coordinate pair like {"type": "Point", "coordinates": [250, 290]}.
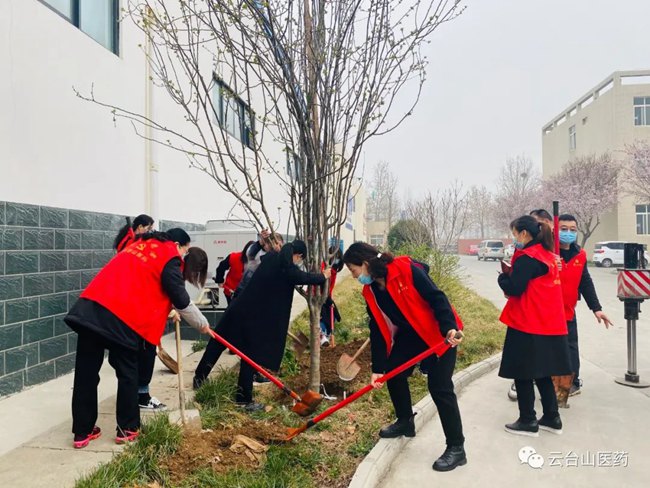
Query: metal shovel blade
{"type": "Point", "coordinates": [347, 368]}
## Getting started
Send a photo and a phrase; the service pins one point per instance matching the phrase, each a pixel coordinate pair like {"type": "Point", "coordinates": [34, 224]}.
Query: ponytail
{"type": "Point", "coordinates": [539, 231]}
{"type": "Point", "coordinates": [122, 234]}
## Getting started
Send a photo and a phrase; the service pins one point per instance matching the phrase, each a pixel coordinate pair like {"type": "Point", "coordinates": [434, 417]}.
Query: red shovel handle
{"type": "Point", "coordinates": [369, 387]}
{"type": "Point", "coordinates": [556, 226]}
{"type": "Point", "coordinates": [256, 366]}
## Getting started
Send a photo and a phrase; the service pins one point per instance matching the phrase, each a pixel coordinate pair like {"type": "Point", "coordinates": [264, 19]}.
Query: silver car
{"type": "Point", "coordinates": [491, 250]}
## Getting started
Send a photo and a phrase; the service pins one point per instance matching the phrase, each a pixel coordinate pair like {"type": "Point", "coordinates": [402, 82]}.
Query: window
{"type": "Point", "coordinates": [232, 113]}
{"type": "Point", "coordinates": [97, 18]}
{"type": "Point", "coordinates": [641, 110]}
{"type": "Point", "coordinates": [642, 219]}
{"type": "Point", "coordinates": [294, 166]}
{"type": "Point", "coordinates": [377, 240]}
{"type": "Point", "coordinates": [572, 137]}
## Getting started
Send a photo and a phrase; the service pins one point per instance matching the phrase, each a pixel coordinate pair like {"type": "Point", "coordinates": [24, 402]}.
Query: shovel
{"type": "Point", "coordinates": [179, 355]}
{"type": "Point", "coordinates": [167, 360]}
{"type": "Point", "coordinates": [305, 404]}
{"type": "Point", "coordinates": [347, 367]}
{"type": "Point", "coordinates": [300, 342]}
{"type": "Point", "coordinates": [293, 432]}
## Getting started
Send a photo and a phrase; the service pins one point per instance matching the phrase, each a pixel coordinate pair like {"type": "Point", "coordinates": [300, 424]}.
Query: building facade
{"type": "Point", "coordinates": [616, 112]}
{"type": "Point", "coordinates": [70, 172]}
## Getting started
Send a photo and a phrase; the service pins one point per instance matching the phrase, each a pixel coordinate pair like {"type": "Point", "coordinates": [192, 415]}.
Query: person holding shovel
{"type": "Point", "coordinates": [408, 315]}
{"type": "Point", "coordinates": [128, 302]}
{"type": "Point", "coordinates": [146, 352]}
{"type": "Point", "coordinates": [257, 321]}
{"type": "Point", "coordinates": [536, 346]}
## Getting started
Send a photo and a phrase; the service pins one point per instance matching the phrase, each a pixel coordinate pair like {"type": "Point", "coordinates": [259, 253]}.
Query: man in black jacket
{"type": "Point", "coordinates": [257, 321]}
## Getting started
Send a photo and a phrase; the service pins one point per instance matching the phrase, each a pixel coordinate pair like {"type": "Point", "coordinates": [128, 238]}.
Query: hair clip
{"type": "Point", "coordinates": [378, 255]}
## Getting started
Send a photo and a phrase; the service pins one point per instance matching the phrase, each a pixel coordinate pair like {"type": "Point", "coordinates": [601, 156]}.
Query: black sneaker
{"type": "Point", "coordinates": [197, 382]}
{"type": "Point", "coordinates": [250, 407]}
{"type": "Point", "coordinates": [405, 427]}
{"type": "Point", "coordinates": [530, 429]}
{"type": "Point", "coordinates": [153, 404]}
{"type": "Point", "coordinates": [554, 425]}
{"type": "Point", "coordinates": [453, 457]}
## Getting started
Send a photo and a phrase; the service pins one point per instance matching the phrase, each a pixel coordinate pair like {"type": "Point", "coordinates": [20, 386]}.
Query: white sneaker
{"type": "Point", "coordinates": [154, 404]}
{"type": "Point", "coordinates": [324, 341]}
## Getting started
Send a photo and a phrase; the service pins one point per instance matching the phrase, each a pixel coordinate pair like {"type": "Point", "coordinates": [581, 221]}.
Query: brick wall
{"type": "Point", "coordinates": [47, 256]}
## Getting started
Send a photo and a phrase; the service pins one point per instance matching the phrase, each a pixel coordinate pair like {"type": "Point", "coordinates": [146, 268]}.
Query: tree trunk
{"type": "Point", "coordinates": [314, 343]}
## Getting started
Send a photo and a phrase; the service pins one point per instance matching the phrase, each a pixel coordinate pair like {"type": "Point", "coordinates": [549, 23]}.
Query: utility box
{"type": "Point", "coordinates": [220, 238]}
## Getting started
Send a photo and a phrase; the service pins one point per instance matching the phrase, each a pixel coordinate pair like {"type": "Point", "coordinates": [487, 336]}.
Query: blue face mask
{"type": "Point", "coordinates": [518, 245]}
{"type": "Point", "coordinates": [365, 279]}
{"type": "Point", "coordinates": [568, 236]}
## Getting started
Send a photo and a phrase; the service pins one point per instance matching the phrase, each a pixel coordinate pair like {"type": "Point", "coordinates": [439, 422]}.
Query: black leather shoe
{"type": "Point", "coordinates": [530, 429]}
{"type": "Point", "coordinates": [453, 457]}
{"type": "Point", "coordinates": [553, 425]}
{"type": "Point", "coordinates": [197, 382]}
{"type": "Point", "coordinates": [405, 427]}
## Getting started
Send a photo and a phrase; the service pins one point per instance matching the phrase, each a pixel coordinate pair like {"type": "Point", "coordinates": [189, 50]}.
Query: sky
{"type": "Point", "coordinates": [497, 75]}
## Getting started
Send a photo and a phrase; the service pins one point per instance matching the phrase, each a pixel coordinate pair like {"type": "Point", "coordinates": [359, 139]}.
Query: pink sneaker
{"type": "Point", "coordinates": [81, 441]}
{"type": "Point", "coordinates": [126, 436]}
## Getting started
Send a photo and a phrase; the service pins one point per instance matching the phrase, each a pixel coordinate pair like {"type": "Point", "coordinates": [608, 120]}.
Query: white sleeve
{"type": "Point", "coordinates": [193, 316]}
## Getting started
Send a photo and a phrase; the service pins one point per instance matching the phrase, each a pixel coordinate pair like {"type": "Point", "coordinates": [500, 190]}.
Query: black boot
{"type": "Point", "coordinates": [405, 427]}
{"type": "Point", "coordinates": [453, 457]}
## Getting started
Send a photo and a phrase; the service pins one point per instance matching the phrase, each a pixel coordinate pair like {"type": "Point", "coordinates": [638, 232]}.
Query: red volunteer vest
{"type": "Point", "coordinates": [540, 309]}
{"type": "Point", "coordinates": [129, 286]}
{"type": "Point", "coordinates": [128, 239]}
{"type": "Point", "coordinates": [235, 273]}
{"type": "Point", "coordinates": [415, 309]}
{"type": "Point", "coordinates": [570, 276]}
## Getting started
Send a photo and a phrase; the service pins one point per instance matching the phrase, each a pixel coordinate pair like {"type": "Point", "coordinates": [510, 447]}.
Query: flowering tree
{"type": "Point", "coordinates": [587, 188]}
{"type": "Point", "coordinates": [636, 171]}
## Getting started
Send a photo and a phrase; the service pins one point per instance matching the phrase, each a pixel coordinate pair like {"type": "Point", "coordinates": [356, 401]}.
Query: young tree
{"type": "Point", "coordinates": [444, 214]}
{"type": "Point", "coordinates": [408, 232]}
{"type": "Point", "coordinates": [316, 79]}
{"type": "Point", "coordinates": [636, 171]}
{"type": "Point", "coordinates": [383, 200]}
{"type": "Point", "coordinates": [518, 191]}
{"type": "Point", "coordinates": [586, 187]}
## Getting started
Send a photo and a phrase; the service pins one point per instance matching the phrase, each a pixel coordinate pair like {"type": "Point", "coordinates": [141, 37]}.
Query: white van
{"type": "Point", "coordinates": [494, 250]}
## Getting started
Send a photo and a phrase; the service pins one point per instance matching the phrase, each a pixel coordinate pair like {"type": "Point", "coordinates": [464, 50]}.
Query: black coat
{"type": "Point", "coordinates": [257, 321]}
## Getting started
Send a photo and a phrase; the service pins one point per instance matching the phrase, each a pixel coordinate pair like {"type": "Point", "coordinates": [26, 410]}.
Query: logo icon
{"type": "Point", "coordinates": [528, 455]}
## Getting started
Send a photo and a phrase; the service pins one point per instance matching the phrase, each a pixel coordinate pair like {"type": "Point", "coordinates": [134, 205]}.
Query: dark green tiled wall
{"type": "Point", "coordinates": [47, 256]}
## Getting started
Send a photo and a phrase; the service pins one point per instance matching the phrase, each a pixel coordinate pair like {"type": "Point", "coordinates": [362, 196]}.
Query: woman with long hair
{"type": "Point", "coordinates": [125, 304]}
{"type": "Point", "coordinates": [536, 345]}
{"type": "Point", "coordinates": [127, 234]}
{"type": "Point", "coordinates": [408, 315]}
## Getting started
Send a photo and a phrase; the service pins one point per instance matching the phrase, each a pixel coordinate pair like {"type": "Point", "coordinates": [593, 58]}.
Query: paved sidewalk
{"type": "Point", "coordinates": [605, 418]}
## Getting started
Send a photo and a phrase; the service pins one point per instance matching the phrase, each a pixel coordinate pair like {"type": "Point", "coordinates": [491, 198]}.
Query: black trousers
{"type": "Point", "coordinates": [574, 352]}
{"type": "Point", "coordinates": [210, 357]}
{"type": "Point", "coordinates": [146, 363]}
{"type": "Point", "coordinates": [441, 387]}
{"type": "Point", "coordinates": [90, 357]}
{"type": "Point", "coordinates": [526, 398]}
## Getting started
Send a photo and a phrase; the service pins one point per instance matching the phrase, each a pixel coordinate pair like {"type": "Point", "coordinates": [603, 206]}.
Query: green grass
{"type": "Point", "coordinates": [139, 461]}
{"type": "Point", "coordinates": [305, 462]}
{"type": "Point", "coordinates": [199, 345]}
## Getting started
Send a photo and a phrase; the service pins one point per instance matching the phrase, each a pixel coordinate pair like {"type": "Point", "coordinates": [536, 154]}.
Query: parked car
{"type": "Point", "coordinates": [610, 253]}
{"type": "Point", "coordinates": [473, 250]}
{"type": "Point", "coordinates": [509, 252]}
{"type": "Point", "coordinates": [491, 250]}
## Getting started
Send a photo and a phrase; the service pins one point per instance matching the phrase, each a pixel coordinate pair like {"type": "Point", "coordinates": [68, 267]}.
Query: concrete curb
{"type": "Point", "coordinates": [377, 463]}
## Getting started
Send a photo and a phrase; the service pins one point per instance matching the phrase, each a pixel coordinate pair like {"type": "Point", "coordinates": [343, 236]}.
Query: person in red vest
{"type": "Point", "coordinates": [408, 315]}
{"type": "Point", "coordinates": [147, 352]}
{"type": "Point", "coordinates": [230, 271]}
{"type": "Point", "coordinates": [127, 234]}
{"type": "Point", "coordinates": [576, 282]}
{"type": "Point", "coordinates": [128, 302]}
{"type": "Point", "coordinates": [536, 345]}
